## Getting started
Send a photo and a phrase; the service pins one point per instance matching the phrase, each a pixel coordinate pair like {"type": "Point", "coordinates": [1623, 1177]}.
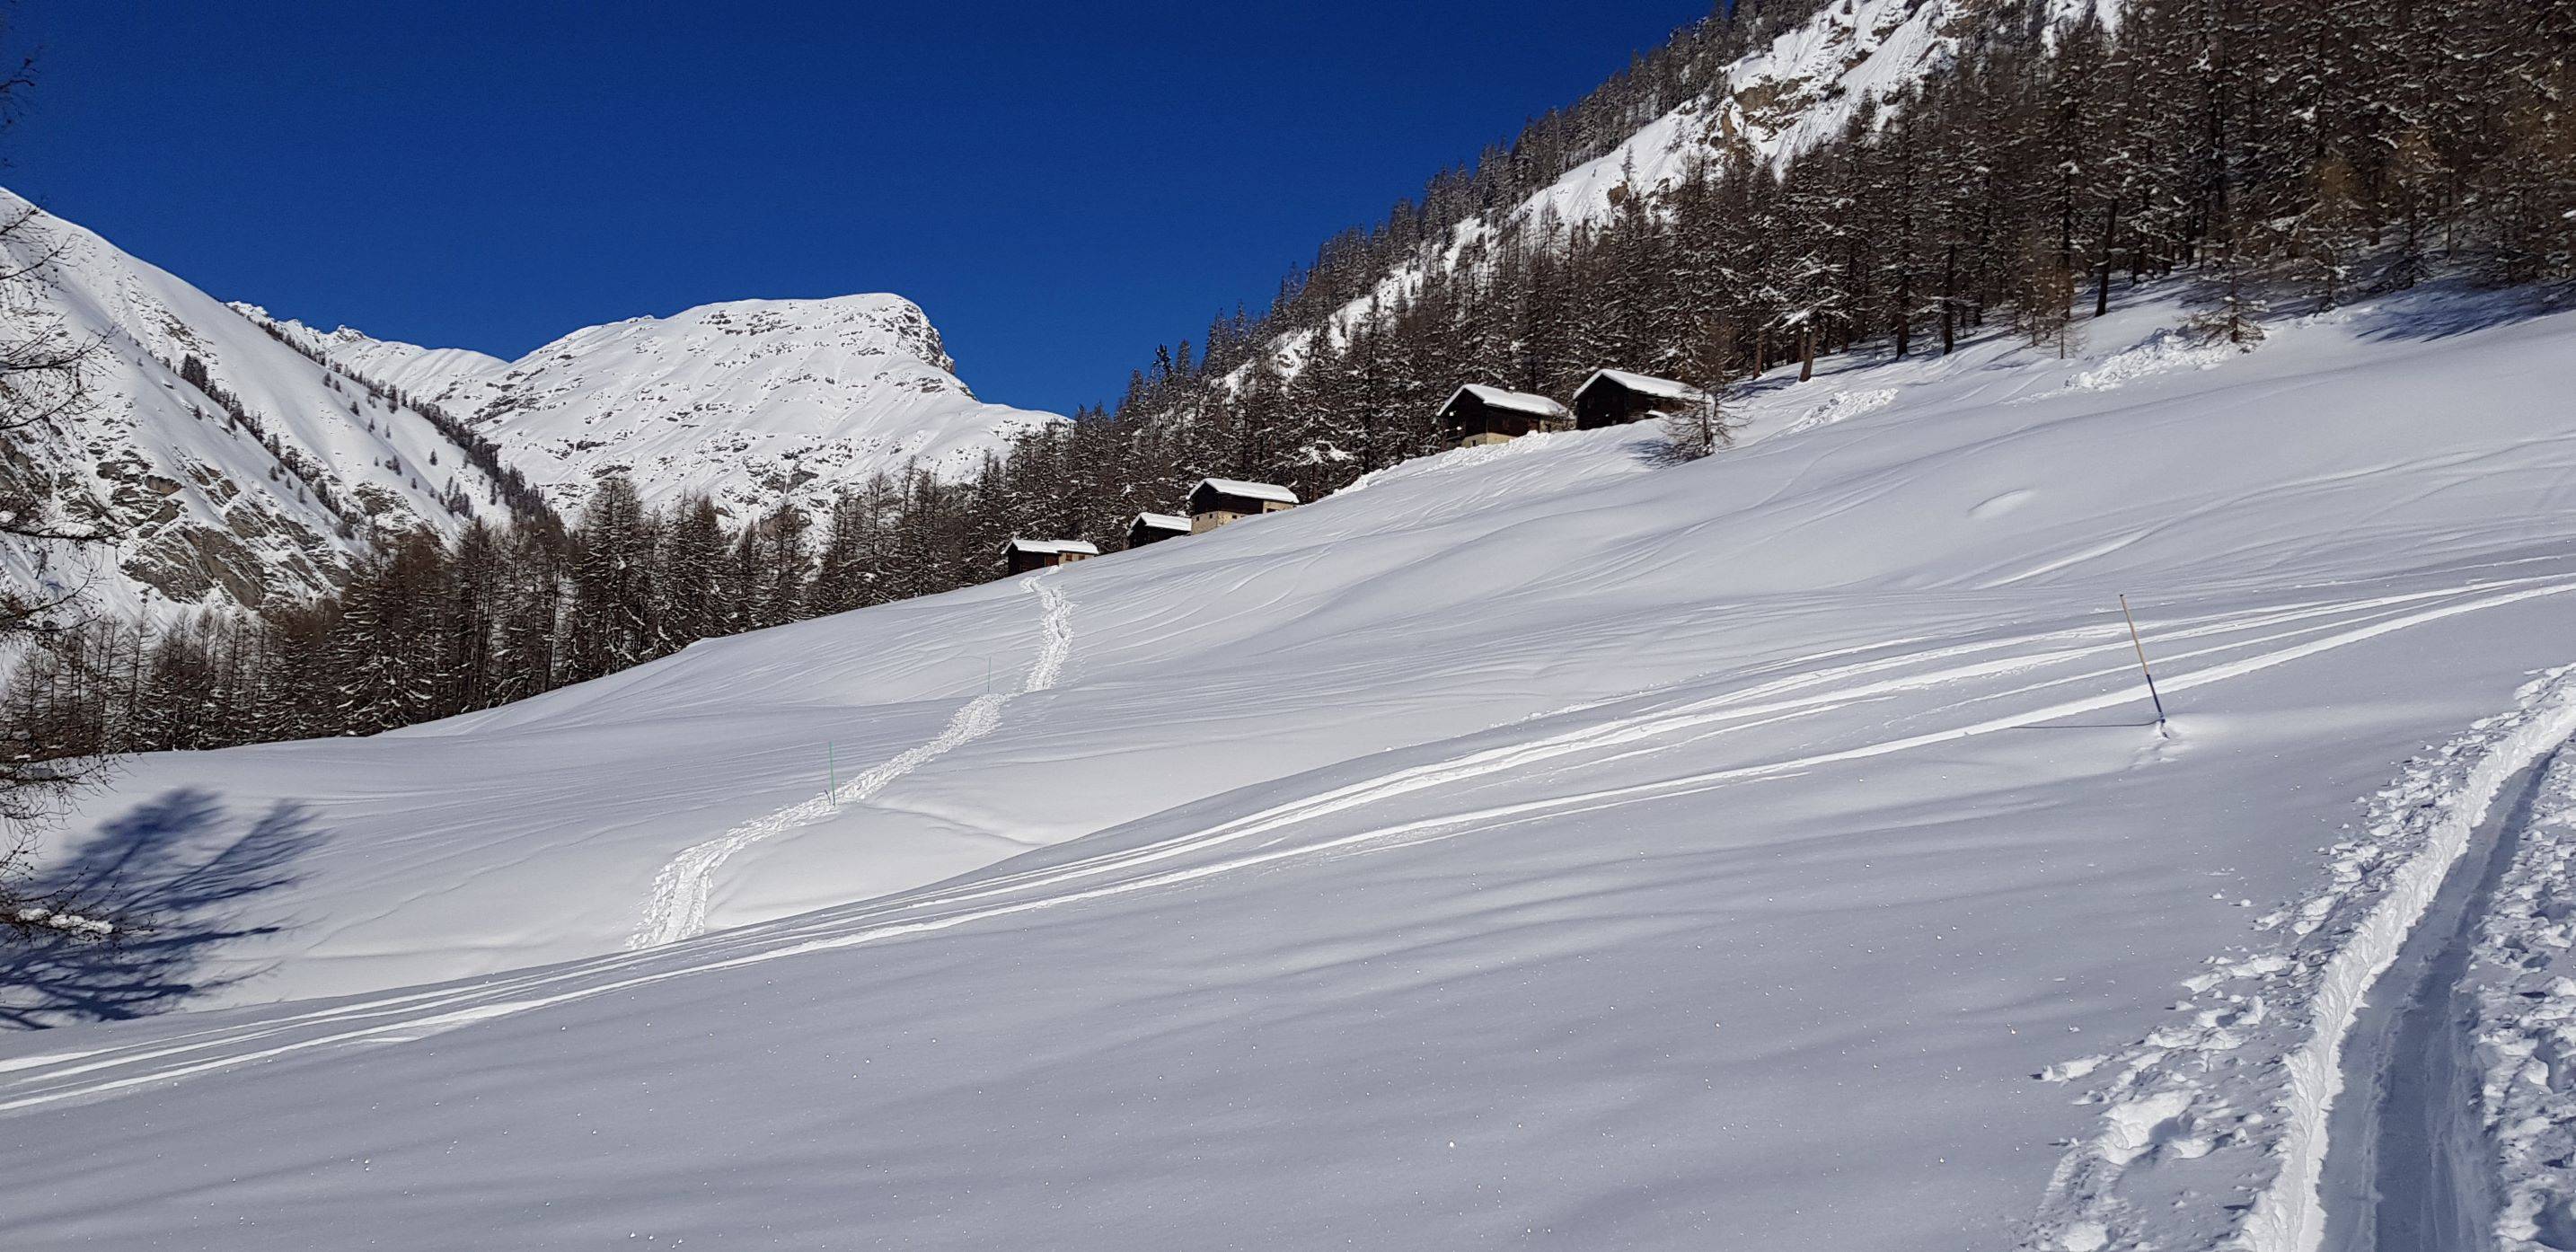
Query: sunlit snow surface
{"type": "Point", "coordinates": [1538, 846]}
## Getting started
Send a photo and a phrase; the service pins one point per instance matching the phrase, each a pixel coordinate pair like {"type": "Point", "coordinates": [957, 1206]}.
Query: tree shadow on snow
{"type": "Point", "coordinates": [182, 877]}
{"type": "Point", "coordinates": [1660, 450]}
{"type": "Point", "coordinates": [2442, 310]}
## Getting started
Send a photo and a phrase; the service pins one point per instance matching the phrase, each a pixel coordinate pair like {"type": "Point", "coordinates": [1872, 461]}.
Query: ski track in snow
{"type": "Point", "coordinates": [2283, 636]}
{"type": "Point", "coordinates": [2407, 1169]}
{"type": "Point", "coordinates": [2181, 1093]}
{"type": "Point", "coordinates": [685, 887]}
{"type": "Point", "coordinates": [2523, 1028]}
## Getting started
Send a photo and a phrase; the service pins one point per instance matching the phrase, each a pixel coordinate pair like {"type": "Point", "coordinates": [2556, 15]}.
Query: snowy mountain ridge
{"type": "Point", "coordinates": [435, 375]}
{"type": "Point", "coordinates": [749, 401]}
{"type": "Point", "coordinates": [233, 467]}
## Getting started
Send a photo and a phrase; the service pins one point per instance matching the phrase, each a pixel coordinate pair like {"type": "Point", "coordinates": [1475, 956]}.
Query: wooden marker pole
{"type": "Point", "coordinates": [831, 777]}
{"type": "Point", "coordinates": [2141, 646]}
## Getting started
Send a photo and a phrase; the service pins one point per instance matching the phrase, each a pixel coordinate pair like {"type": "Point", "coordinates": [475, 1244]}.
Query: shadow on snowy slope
{"type": "Point", "coordinates": [2442, 310]}
{"type": "Point", "coordinates": [176, 867]}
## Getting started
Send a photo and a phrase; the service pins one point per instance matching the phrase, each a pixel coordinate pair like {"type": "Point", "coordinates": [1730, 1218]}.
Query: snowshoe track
{"type": "Point", "coordinates": [2333, 948]}
{"type": "Point", "coordinates": [685, 887]}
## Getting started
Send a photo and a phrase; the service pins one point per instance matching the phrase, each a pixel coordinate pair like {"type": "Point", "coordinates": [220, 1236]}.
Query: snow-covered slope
{"type": "Point", "coordinates": [1535, 845]}
{"type": "Point", "coordinates": [206, 509]}
{"type": "Point", "coordinates": [443, 376]}
{"type": "Point", "coordinates": [749, 401]}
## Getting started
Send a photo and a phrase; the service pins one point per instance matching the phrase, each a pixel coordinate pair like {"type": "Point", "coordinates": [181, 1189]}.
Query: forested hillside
{"type": "Point", "coordinates": [2033, 162]}
{"type": "Point", "coordinates": [2009, 166]}
{"type": "Point", "coordinates": [2289, 152]}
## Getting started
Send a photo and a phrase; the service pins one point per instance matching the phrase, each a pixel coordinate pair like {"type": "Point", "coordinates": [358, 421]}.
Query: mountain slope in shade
{"type": "Point", "coordinates": [748, 401]}
{"type": "Point", "coordinates": [208, 506]}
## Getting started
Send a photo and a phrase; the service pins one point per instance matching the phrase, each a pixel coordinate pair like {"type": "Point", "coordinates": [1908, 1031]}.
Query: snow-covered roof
{"type": "Point", "coordinates": [1644, 385]}
{"type": "Point", "coordinates": [1238, 487]}
{"type": "Point", "coordinates": [1045, 547]}
{"type": "Point", "coordinates": [1516, 401]}
{"type": "Point", "coordinates": [1161, 521]}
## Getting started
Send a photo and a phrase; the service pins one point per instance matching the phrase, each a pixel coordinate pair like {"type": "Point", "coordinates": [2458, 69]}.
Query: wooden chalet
{"type": "Point", "coordinates": [1155, 528]}
{"type": "Point", "coordinates": [1220, 501]}
{"type": "Point", "coordinates": [1019, 556]}
{"type": "Point", "coordinates": [1612, 397]}
{"type": "Point", "coordinates": [1478, 414]}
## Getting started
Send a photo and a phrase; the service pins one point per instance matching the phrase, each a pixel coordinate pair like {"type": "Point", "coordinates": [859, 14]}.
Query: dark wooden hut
{"type": "Point", "coordinates": [1155, 528]}
{"type": "Point", "coordinates": [1611, 397]}
{"type": "Point", "coordinates": [1219, 501]}
{"type": "Point", "coordinates": [1478, 414]}
{"type": "Point", "coordinates": [1019, 556]}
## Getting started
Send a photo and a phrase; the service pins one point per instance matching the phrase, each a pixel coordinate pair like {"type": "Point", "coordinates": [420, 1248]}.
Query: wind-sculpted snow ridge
{"type": "Point", "coordinates": [684, 888]}
{"type": "Point", "coordinates": [2250, 1076]}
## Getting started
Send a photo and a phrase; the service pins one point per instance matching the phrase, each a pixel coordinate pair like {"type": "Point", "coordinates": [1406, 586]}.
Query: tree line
{"type": "Point", "coordinates": [425, 628]}
{"type": "Point", "coordinates": [2263, 150]}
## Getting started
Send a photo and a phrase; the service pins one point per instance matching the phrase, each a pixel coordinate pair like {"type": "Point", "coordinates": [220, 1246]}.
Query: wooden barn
{"type": "Point", "coordinates": [1022, 555]}
{"type": "Point", "coordinates": [1478, 414]}
{"type": "Point", "coordinates": [1611, 397]}
{"type": "Point", "coordinates": [1218, 501]}
{"type": "Point", "coordinates": [1155, 528]}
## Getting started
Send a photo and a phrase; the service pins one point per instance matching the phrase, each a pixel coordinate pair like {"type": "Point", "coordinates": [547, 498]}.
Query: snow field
{"type": "Point", "coordinates": [1534, 847]}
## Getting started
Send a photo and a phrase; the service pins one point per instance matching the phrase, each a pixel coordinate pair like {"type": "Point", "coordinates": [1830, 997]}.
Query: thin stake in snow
{"type": "Point", "coordinates": [831, 777]}
{"type": "Point", "coordinates": [2141, 646]}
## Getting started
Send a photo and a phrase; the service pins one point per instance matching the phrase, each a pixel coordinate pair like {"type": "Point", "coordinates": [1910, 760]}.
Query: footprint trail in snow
{"type": "Point", "coordinates": [686, 885]}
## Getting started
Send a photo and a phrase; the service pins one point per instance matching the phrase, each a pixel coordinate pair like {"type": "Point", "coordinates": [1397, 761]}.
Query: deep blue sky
{"type": "Point", "coordinates": [1060, 185]}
